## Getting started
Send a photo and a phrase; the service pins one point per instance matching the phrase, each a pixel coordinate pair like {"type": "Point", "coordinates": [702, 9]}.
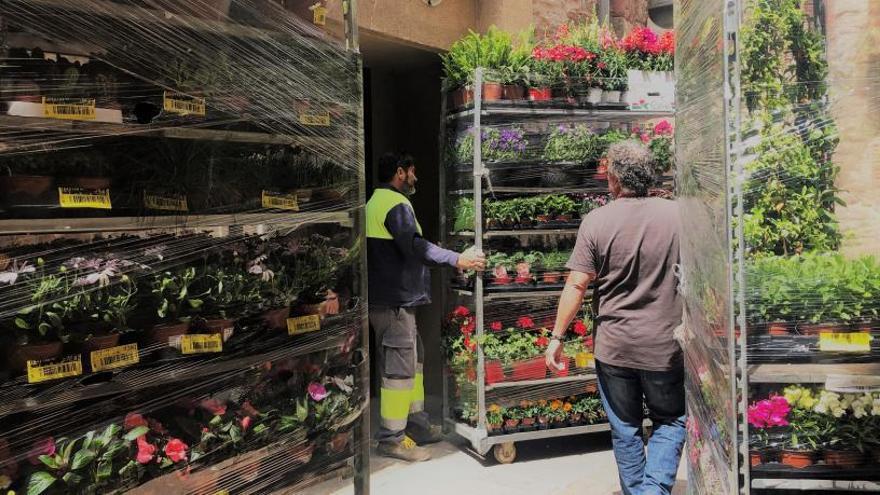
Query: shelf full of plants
{"type": "Point", "coordinates": [181, 264]}
{"type": "Point", "coordinates": [527, 133]}
{"type": "Point", "coordinates": [782, 340]}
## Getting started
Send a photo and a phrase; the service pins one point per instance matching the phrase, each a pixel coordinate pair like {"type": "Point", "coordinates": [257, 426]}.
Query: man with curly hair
{"type": "Point", "coordinates": [629, 248]}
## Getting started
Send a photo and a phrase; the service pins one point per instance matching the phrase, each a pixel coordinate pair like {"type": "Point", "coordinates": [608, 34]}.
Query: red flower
{"type": "Point", "coordinates": [495, 326]}
{"type": "Point", "coordinates": [580, 328]}
{"type": "Point", "coordinates": [245, 423]}
{"type": "Point", "coordinates": [589, 342]}
{"type": "Point", "coordinates": [213, 406]}
{"type": "Point", "coordinates": [461, 311]}
{"type": "Point", "coordinates": [249, 410]}
{"type": "Point", "coordinates": [205, 429]}
{"type": "Point", "coordinates": [667, 43]}
{"type": "Point", "coordinates": [175, 449]}
{"type": "Point", "coordinates": [45, 446]}
{"type": "Point", "coordinates": [645, 138]}
{"type": "Point", "coordinates": [133, 420]}
{"type": "Point", "coordinates": [145, 450]}
{"type": "Point", "coordinates": [468, 344]}
{"type": "Point", "coordinates": [561, 32]}
{"type": "Point", "coordinates": [525, 322]}
{"type": "Point", "coordinates": [542, 341]}
{"type": "Point", "coordinates": [468, 326]}
{"type": "Point", "coordinates": [663, 128]}
{"type": "Point", "coordinates": [601, 65]}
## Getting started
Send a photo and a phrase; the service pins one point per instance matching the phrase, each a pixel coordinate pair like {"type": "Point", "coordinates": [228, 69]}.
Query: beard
{"type": "Point", "coordinates": [409, 189]}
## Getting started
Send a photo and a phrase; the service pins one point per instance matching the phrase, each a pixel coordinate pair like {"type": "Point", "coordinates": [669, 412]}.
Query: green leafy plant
{"type": "Point", "coordinates": [463, 215]}
{"type": "Point", "coordinates": [171, 291]}
{"type": "Point", "coordinates": [491, 51]}
{"type": "Point", "coordinates": [577, 143]}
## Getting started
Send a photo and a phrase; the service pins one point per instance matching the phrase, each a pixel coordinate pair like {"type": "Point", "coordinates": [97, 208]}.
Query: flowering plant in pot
{"type": "Point", "coordinates": [575, 143]}
{"type": "Point", "coordinates": [591, 202]}
{"type": "Point", "coordinates": [501, 267]}
{"type": "Point", "coordinates": [660, 141]}
{"type": "Point", "coordinates": [529, 411]}
{"type": "Point", "coordinates": [494, 418]}
{"type": "Point", "coordinates": [512, 417]}
{"type": "Point", "coordinates": [498, 144]}
{"type": "Point", "coordinates": [38, 326]}
{"type": "Point", "coordinates": [557, 414]}
{"type": "Point", "coordinates": [647, 51]}
{"type": "Point", "coordinates": [612, 65]}
{"type": "Point", "coordinates": [523, 263]}
{"type": "Point", "coordinates": [552, 267]}
{"type": "Point", "coordinates": [174, 303]}
{"type": "Point", "coordinates": [523, 356]}
{"type": "Point", "coordinates": [590, 407]}
{"type": "Point", "coordinates": [763, 416]}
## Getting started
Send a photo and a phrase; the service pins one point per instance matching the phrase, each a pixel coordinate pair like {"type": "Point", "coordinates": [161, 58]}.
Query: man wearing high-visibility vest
{"type": "Point", "coordinates": [398, 258]}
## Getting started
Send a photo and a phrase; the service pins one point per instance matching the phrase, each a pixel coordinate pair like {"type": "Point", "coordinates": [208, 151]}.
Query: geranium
{"type": "Point", "coordinates": [579, 328]}
{"type": "Point", "coordinates": [133, 420]}
{"type": "Point", "coordinates": [642, 39]}
{"type": "Point", "coordinates": [469, 344]}
{"type": "Point", "coordinates": [175, 450]}
{"type": "Point", "coordinates": [769, 412]}
{"type": "Point", "coordinates": [542, 341]}
{"type": "Point", "coordinates": [663, 128]}
{"type": "Point", "coordinates": [317, 392]}
{"type": "Point", "coordinates": [667, 43]}
{"type": "Point", "coordinates": [495, 326]}
{"type": "Point", "coordinates": [45, 446]}
{"type": "Point", "coordinates": [145, 451]}
{"type": "Point", "coordinates": [525, 322]}
{"type": "Point", "coordinates": [461, 311]}
{"type": "Point", "coordinates": [245, 423]}
{"type": "Point", "coordinates": [468, 326]}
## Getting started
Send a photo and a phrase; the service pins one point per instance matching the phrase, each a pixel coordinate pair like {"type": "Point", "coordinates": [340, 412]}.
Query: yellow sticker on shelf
{"type": "Point", "coordinates": [69, 108]}
{"type": "Point", "coordinates": [74, 197]}
{"type": "Point", "coordinates": [280, 201]}
{"type": "Point", "coordinates": [321, 119]}
{"type": "Point", "coordinates": [319, 12]}
{"type": "Point", "coordinates": [165, 203]}
{"type": "Point", "coordinates": [303, 324]}
{"type": "Point", "coordinates": [38, 372]}
{"type": "Point", "coordinates": [845, 342]}
{"type": "Point", "coordinates": [114, 357]}
{"type": "Point", "coordinates": [200, 343]}
{"type": "Point", "coordinates": [183, 105]}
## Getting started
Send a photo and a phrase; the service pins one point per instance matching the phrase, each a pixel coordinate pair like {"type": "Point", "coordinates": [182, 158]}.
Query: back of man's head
{"type": "Point", "coordinates": [632, 163]}
{"type": "Point", "coordinates": [390, 162]}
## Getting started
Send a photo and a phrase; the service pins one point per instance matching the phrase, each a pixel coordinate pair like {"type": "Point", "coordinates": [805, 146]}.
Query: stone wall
{"type": "Point", "coordinates": [548, 14]}
{"type": "Point", "coordinates": [626, 14]}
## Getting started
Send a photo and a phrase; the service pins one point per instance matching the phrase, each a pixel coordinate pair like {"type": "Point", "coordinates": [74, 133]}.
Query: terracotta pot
{"type": "Point", "coordinates": [540, 94]}
{"type": "Point", "coordinates": [339, 441]}
{"type": "Point", "coordinates": [492, 91]}
{"type": "Point", "coordinates": [798, 458]}
{"type": "Point", "coordinates": [98, 342]}
{"type": "Point", "coordinates": [40, 351]}
{"type": "Point", "coordinates": [544, 218]}
{"type": "Point", "coordinates": [778, 328]}
{"type": "Point", "coordinates": [494, 372]}
{"type": "Point", "coordinates": [819, 328]}
{"type": "Point", "coordinates": [276, 319]}
{"type": "Point", "coordinates": [844, 459]}
{"type": "Point", "coordinates": [543, 422]}
{"type": "Point", "coordinates": [755, 458]}
{"type": "Point", "coordinates": [513, 92]}
{"type": "Point", "coordinates": [528, 422]}
{"type": "Point", "coordinates": [19, 189]}
{"type": "Point", "coordinates": [564, 218]}
{"type": "Point", "coordinates": [223, 326]}
{"type": "Point", "coordinates": [530, 369]}
{"type": "Point", "coordinates": [506, 280]}
{"type": "Point", "coordinates": [551, 278]}
{"type": "Point", "coordinates": [162, 333]}
{"type": "Point", "coordinates": [493, 429]}
{"type": "Point", "coordinates": [511, 425]}
{"type": "Point", "coordinates": [462, 96]}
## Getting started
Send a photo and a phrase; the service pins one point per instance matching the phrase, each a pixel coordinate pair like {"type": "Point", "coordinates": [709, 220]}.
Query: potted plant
{"type": "Point", "coordinates": [501, 266]}
{"type": "Point", "coordinates": [524, 357]}
{"type": "Point", "coordinates": [174, 304]}
{"type": "Point", "coordinates": [463, 215]}
{"type": "Point", "coordinates": [512, 416]}
{"type": "Point", "coordinates": [557, 414]}
{"type": "Point", "coordinates": [572, 144]}
{"type": "Point", "coordinates": [494, 419]}
{"type": "Point", "coordinates": [493, 354]}
{"type": "Point", "coordinates": [613, 65]}
{"type": "Point", "coordinates": [529, 415]}
{"type": "Point", "coordinates": [807, 429]}
{"type": "Point", "coordinates": [769, 415]}
{"type": "Point", "coordinates": [523, 263]}
{"type": "Point", "coordinates": [553, 267]}
{"type": "Point", "coordinates": [38, 326]}
{"type": "Point", "coordinates": [845, 443]}
{"type": "Point", "coordinates": [491, 51]}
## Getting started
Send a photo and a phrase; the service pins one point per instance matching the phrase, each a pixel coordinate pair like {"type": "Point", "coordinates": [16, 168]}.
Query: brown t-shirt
{"type": "Point", "coordinates": [631, 244]}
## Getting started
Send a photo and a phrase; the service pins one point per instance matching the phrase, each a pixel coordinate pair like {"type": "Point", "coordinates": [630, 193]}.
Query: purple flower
{"type": "Point", "coordinates": [12, 273]}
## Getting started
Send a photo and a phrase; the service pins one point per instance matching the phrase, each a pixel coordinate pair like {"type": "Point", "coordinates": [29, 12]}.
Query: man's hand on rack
{"type": "Point", "coordinates": [472, 259]}
{"type": "Point", "coordinates": [553, 355]}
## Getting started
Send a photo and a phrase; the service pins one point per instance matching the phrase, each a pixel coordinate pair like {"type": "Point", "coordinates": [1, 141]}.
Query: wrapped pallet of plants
{"type": "Point", "coordinates": [181, 295]}
{"type": "Point", "coordinates": [781, 341]}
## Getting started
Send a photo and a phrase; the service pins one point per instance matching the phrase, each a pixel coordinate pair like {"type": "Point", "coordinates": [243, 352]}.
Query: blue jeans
{"type": "Point", "coordinates": [622, 391]}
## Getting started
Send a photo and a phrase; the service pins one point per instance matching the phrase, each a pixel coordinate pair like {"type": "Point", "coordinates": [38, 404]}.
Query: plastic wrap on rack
{"type": "Point", "coordinates": [788, 290]}
{"type": "Point", "coordinates": [181, 259]}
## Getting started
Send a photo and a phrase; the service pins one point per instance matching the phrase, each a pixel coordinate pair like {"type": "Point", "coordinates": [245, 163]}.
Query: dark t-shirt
{"type": "Point", "coordinates": [631, 245]}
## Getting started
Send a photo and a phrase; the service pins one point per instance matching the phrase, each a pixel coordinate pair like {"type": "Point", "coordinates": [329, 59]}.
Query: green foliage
{"type": "Point", "coordinates": [576, 143]}
{"type": "Point", "coordinates": [171, 292]}
{"type": "Point", "coordinates": [463, 215]}
{"type": "Point", "coordinates": [491, 51]}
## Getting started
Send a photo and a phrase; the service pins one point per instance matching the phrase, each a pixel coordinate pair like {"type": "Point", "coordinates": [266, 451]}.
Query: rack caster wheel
{"type": "Point", "coordinates": [504, 453]}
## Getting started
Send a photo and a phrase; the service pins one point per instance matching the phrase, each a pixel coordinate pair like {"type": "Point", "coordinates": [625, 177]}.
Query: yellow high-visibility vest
{"type": "Point", "coordinates": [381, 202]}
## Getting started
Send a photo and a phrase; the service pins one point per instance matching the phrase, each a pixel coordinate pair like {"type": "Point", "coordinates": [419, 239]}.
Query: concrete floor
{"type": "Point", "coordinates": [581, 465]}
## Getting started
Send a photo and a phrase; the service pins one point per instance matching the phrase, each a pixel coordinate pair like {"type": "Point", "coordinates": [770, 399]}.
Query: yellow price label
{"type": "Point", "coordinates": [114, 357]}
{"type": "Point", "coordinates": [38, 372]}
{"type": "Point", "coordinates": [303, 324]}
{"type": "Point", "coordinates": [183, 105]}
{"type": "Point", "coordinates": [74, 197]}
{"type": "Point", "coordinates": [280, 201]}
{"type": "Point", "coordinates": [315, 119]}
{"type": "Point", "coordinates": [201, 343]}
{"type": "Point", "coordinates": [845, 342]}
{"type": "Point", "coordinates": [69, 108]}
{"type": "Point", "coordinates": [166, 203]}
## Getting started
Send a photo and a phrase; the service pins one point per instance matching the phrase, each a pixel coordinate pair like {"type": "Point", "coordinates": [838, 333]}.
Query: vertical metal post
{"type": "Point", "coordinates": [350, 22]}
{"type": "Point", "coordinates": [444, 236]}
{"type": "Point", "coordinates": [478, 244]}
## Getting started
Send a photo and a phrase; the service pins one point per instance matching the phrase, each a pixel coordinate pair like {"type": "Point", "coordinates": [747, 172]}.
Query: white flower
{"type": "Point", "coordinates": [875, 411]}
{"type": "Point", "coordinates": [821, 408]}
{"type": "Point", "coordinates": [837, 412]}
{"type": "Point", "coordinates": [859, 412]}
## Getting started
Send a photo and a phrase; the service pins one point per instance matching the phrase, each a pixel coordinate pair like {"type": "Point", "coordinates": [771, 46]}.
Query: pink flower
{"type": "Point", "coordinates": [601, 65]}
{"type": "Point", "coordinates": [213, 406]}
{"type": "Point", "coordinates": [45, 446]}
{"type": "Point", "coordinates": [317, 391]}
{"type": "Point", "coordinates": [663, 128]}
{"type": "Point", "coordinates": [145, 450]}
{"type": "Point", "coordinates": [249, 410]}
{"type": "Point", "coordinates": [133, 420]}
{"type": "Point", "coordinates": [175, 449]}
{"type": "Point", "coordinates": [769, 413]}
{"type": "Point", "coordinates": [495, 326]}
{"type": "Point", "coordinates": [645, 138]}
{"type": "Point", "coordinates": [245, 423]}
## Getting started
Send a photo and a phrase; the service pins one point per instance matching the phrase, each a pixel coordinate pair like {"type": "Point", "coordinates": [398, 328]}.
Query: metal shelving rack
{"type": "Point", "coordinates": [33, 134]}
{"type": "Point", "coordinates": [476, 114]}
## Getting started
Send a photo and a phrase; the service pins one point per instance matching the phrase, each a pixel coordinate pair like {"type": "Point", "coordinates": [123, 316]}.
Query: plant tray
{"type": "Point", "coordinates": [817, 471]}
{"type": "Point", "coordinates": [512, 287]}
{"type": "Point", "coordinates": [803, 349]}
{"type": "Point", "coordinates": [553, 103]}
